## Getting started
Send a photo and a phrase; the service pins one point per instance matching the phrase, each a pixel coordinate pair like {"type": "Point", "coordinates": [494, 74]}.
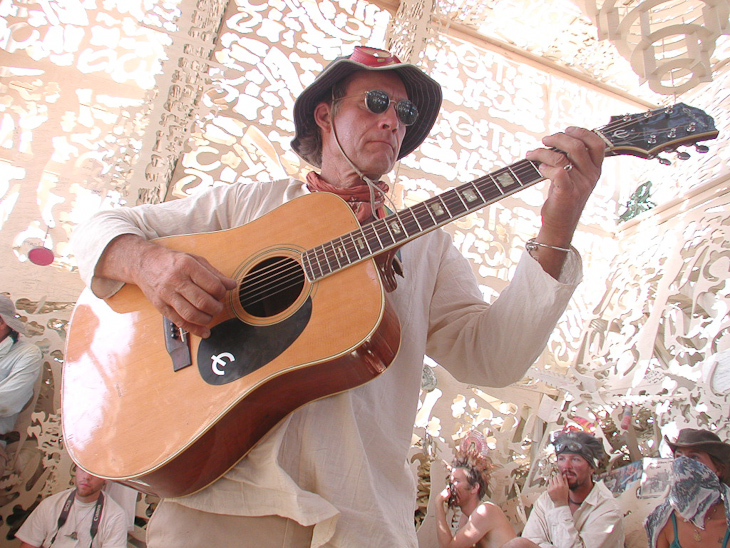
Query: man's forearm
{"type": "Point", "coordinates": [443, 530]}
{"type": "Point", "coordinates": [123, 258]}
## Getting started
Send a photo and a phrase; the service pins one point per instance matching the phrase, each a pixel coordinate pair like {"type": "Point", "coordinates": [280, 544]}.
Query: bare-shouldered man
{"type": "Point", "coordinates": [482, 523]}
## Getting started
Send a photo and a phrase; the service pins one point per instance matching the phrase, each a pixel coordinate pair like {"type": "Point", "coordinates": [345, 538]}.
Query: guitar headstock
{"type": "Point", "coordinates": [660, 130]}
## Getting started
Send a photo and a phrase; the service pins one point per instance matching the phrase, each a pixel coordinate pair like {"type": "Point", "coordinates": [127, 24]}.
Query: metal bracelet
{"type": "Point", "coordinates": [532, 245]}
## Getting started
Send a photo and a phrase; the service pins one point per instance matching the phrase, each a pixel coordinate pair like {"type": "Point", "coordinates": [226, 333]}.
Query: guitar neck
{"type": "Point", "coordinates": [408, 224]}
{"type": "Point", "coordinates": [643, 135]}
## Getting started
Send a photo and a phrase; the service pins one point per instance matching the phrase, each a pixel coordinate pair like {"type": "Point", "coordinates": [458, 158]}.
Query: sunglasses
{"type": "Point", "coordinates": [377, 102]}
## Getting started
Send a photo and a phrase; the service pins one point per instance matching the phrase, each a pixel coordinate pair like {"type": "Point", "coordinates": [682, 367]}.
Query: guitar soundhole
{"type": "Point", "coordinates": [271, 287]}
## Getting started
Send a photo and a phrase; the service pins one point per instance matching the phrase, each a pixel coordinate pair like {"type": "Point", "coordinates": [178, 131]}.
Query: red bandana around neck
{"type": "Point", "coordinates": [357, 198]}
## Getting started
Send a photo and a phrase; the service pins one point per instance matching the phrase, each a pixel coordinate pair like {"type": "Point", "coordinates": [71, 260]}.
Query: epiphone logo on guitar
{"type": "Point", "coordinates": [219, 360]}
{"type": "Point", "coordinates": [247, 347]}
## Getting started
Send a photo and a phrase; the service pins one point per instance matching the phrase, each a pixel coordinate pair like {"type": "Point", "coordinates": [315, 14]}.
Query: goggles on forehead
{"type": "Point", "coordinates": [377, 102]}
{"type": "Point", "coordinates": [569, 447]}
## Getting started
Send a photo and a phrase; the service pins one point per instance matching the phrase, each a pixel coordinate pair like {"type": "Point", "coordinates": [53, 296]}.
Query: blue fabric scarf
{"type": "Point", "coordinates": [694, 490]}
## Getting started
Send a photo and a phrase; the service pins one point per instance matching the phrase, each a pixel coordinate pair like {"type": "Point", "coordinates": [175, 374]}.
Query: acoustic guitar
{"type": "Point", "coordinates": [148, 405]}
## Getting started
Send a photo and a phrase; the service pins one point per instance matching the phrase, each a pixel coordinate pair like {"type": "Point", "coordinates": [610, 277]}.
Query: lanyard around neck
{"type": "Point", "coordinates": [67, 509]}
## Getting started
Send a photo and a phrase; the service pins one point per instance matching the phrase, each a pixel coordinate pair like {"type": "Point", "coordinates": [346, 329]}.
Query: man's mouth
{"type": "Point", "coordinates": [385, 142]}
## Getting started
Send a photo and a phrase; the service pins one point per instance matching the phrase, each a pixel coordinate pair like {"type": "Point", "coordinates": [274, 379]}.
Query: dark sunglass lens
{"type": "Point", "coordinates": [377, 101]}
{"type": "Point", "coordinates": [407, 112]}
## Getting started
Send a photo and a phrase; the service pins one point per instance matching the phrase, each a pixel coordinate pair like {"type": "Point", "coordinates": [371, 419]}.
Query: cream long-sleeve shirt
{"type": "Point", "coordinates": [340, 463]}
{"type": "Point", "coordinates": [597, 523]}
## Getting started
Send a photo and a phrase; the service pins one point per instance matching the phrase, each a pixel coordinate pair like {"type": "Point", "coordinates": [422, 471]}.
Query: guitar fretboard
{"type": "Point", "coordinates": [408, 224]}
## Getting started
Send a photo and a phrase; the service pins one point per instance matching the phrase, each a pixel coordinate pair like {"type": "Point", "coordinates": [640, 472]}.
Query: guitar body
{"type": "Point", "coordinates": [129, 416]}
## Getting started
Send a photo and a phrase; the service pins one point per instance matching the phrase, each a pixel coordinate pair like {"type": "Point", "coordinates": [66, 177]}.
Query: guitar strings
{"type": "Point", "coordinates": [288, 273]}
{"type": "Point", "coordinates": [276, 278]}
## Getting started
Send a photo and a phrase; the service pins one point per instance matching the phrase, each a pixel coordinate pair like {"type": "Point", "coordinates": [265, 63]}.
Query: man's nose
{"type": "Point", "coordinates": [389, 118]}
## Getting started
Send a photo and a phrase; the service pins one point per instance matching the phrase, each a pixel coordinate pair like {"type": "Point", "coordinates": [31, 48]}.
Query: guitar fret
{"type": "Point", "coordinates": [333, 253]}
{"type": "Point", "coordinates": [383, 232]}
{"type": "Point", "coordinates": [424, 221]}
{"type": "Point", "coordinates": [317, 261]}
{"type": "Point", "coordinates": [472, 196]}
{"type": "Point", "coordinates": [533, 165]}
{"type": "Point", "coordinates": [477, 184]}
{"type": "Point", "coordinates": [374, 243]}
{"type": "Point", "coordinates": [455, 207]}
{"type": "Point", "coordinates": [515, 177]}
{"type": "Point", "coordinates": [406, 224]}
{"type": "Point", "coordinates": [352, 248]}
{"type": "Point", "coordinates": [361, 244]}
{"type": "Point", "coordinates": [436, 209]}
{"type": "Point", "coordinates": [341, 253]}
{"type": "Point", "coordinates": [349, 255]}
{"type": "Point", "coordinates": [489, 189]}
{"type": "Point", "coordinates": [323, 260]}
{"type": "Point", "coordinates": [333, 256]}
{"type": "Point", "coordinates": [504, 179]}
{"type": "Point", "coordinates": [395, 228]}
{"type": "Point", "coordinates": [352, 252]}
{"type": "Point", "coordinates": [307, 266]}
{"type": "Point", "coordinates": [458, 195]}
{"type": "Point", "coordinates": [317, 258]}
{"type": "Point", "coordinates": [496, 185]}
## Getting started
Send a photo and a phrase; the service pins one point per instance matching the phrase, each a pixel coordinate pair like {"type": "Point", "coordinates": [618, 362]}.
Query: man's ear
{"type": "Point", "coordinates": [323, 117]}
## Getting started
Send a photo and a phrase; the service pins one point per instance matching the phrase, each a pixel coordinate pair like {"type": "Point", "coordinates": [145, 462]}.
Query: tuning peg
{"type": "Point", "coordinates": [683, 155]}
{"type": "Point", "coordinates": [663, 161]}
{"type": "Point", "coordinates": [702, 149]}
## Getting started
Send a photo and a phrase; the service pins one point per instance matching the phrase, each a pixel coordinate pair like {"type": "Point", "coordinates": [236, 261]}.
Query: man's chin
{"type": "Point", "coordinates": [376, 167]}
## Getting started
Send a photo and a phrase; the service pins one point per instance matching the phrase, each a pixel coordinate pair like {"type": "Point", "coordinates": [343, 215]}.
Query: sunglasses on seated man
{"type": "Point", "coordinates": [377, 102]}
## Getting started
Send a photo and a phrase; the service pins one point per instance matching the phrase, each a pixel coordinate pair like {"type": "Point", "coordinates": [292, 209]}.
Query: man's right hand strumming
{"type": "Point", "coordinates": [185, 288]}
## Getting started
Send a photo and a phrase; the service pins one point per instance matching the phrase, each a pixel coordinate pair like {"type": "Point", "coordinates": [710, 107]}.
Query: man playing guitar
{"type": "Point", "coordinates": [334, 472]}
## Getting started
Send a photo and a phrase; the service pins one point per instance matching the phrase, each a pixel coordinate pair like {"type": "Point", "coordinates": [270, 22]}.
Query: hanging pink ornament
{"type": "Point", "coordinates": [42, 256]}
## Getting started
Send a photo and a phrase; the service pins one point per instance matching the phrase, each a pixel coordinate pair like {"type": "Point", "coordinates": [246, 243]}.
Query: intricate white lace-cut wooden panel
{"type": "Point", "coordinates": [669, 43]}
{"type": "Point", "coordinates": [119, 104]}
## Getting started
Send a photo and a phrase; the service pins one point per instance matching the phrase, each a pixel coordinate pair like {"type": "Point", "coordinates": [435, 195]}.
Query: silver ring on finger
{"type": "Point", "coordinates": [568, 167]}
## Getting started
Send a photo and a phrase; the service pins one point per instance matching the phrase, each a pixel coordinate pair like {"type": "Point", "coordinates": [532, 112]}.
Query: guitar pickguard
{"type": "Point", "coordinates": [235, 349]}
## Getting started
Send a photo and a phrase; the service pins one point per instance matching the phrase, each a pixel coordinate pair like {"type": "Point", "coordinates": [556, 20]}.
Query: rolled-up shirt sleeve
{"type": "Point", "coordinates": [218, 208]}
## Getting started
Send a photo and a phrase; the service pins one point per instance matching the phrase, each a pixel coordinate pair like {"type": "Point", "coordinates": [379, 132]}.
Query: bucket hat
{"type": "Point", "coordinates": [422, 90]}
{"type": "Point", "coordinates": [704, 440]}
{"type": "Point", "coordinates": [9, 315]}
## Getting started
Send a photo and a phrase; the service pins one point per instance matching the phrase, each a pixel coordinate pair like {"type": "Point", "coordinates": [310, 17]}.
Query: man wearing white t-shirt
{"type": "Point", "coordinates": [80, 517]}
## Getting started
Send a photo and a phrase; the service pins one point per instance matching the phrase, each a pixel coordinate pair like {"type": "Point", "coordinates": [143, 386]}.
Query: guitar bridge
{"type": "Point", "coordinates": [176, 342]}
